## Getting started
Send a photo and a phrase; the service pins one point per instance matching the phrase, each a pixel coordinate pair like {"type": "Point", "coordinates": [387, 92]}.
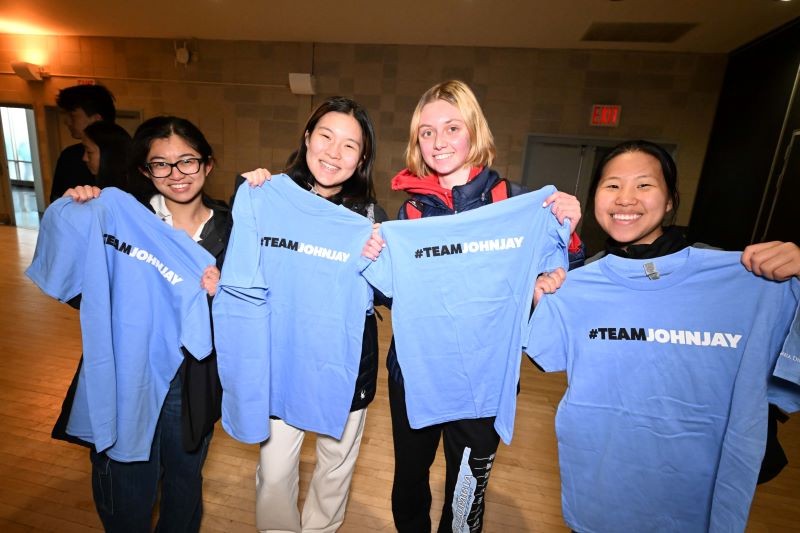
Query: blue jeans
{"type": "Point", "coordinates": [125, 493]}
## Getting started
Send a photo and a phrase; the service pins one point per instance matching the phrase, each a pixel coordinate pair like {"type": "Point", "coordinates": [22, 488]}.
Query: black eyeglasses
{"type": "Point", "coordinates": [162, 169]}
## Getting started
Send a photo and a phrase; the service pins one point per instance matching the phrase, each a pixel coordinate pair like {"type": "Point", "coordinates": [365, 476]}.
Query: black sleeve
{"type": "Point", "coordinates": [380, 213]}
{"type": "Point", "coordinates": [75, 302]}
{"type": "Point", "coordinates": [380, 298]}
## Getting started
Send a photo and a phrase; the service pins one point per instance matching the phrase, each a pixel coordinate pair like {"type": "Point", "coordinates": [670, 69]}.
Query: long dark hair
{"type": "Point", "coordinates": [668, 168]}
{"type": "Point", "coordinates": [161, 127]}
{"type": "Point", "coordinates": [358, 190]}
{"type": "Point", "coordinates": [114, 144]}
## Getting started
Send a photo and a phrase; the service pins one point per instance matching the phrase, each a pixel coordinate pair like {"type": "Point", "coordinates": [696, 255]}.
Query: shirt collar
{"type": "Point", "coordinates": [159, 205]}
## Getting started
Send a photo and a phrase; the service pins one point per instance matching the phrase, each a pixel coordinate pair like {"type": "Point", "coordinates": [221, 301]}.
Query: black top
{"type": "Point", "coordinates": [70, 172]}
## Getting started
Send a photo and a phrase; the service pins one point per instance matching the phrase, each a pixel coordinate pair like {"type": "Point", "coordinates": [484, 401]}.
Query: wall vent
{"type": "Point", "coordinates": [637, 32]}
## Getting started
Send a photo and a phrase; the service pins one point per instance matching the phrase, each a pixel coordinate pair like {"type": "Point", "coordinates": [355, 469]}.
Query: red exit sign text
{"type": "Point", "coordinates": [605, 115]}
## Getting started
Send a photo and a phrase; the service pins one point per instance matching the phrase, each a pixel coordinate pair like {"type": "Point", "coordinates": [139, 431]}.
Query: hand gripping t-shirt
{"type": "Point", "coordinates": [462, 289]}
{"type": "Point", "coordinates": [141, 301]}
{"type": "Point", "coordinates": [664, 421]}
{"type": "Point", "coordinates": [289, 313]}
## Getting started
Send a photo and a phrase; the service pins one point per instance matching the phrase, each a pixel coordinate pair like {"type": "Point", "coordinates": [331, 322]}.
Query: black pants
{"type": "Point", "coordinates": [467, 474]}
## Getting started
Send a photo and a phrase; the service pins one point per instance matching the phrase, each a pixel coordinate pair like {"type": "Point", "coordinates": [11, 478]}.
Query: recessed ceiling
{"type": "Point", "coordinates": [717, 26]}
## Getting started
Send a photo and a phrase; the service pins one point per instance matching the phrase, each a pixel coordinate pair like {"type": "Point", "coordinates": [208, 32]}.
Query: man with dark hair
{"type": "Point", "coordinates": [83, 104]}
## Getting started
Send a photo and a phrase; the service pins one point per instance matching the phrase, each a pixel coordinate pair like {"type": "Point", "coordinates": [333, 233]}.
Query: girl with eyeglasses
{"type": "Point", "coordinates": [169, 162]}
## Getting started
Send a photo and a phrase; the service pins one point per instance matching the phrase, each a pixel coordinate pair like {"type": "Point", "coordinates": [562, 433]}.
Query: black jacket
{"type": "Point", "coordinates": [367, 380]}
{"type": "Point", "coordinates": [201, 389]}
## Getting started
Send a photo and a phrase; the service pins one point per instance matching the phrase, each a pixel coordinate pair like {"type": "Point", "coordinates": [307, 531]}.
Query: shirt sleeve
{"type": "Point", "coordinates": [241, 329]}
{"type": "Point", "coordinates": [784, 389]}
{"type": "Point", "coordinates": [547, 343]}
{"type": "Point", "coordinates": [196, 328]}
{"type": "Point", "coordinates": [379, 272]}
{"type": "Point", "coordinates": [743, 442]}
{"type": "Point", "coordinates": [243, 246]}
{"type": "Point", "coordinates": [554, 248]}
{"type": "Point", "coordinates": [98, 381]}
{"type": "Point", "coordinates": [60, 256]}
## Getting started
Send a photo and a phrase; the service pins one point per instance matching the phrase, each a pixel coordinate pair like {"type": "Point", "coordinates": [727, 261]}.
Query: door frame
{"type": "Point", "coordinates": [38, 183]}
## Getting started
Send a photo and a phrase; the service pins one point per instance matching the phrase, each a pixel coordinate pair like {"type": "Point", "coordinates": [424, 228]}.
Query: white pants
{"type": "Point", "coordinates": [277, 478]}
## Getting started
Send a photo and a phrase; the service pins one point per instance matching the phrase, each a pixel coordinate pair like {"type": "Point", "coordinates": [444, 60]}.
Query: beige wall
{"type": "Point", "coordinates": [237, 92]}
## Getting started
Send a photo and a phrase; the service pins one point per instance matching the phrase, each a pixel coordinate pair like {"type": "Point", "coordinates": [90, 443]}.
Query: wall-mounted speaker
{"type": "Point", "coordinates": [27, 71]}
{"type": "Point", "coordinates": [302, 83]}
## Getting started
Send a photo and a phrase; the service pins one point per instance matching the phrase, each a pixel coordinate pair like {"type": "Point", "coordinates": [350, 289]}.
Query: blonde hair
{"type": "Point", "coordinates": [457, 93]}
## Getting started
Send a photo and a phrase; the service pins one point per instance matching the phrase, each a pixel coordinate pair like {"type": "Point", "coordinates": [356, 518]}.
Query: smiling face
{"type": "Point", "coordinates": [444, 142]}
{"type": "Point", "coordinates": [632, 199]}
{"type": "Point", "coordinates": [177, 187]}
{"type": "Point", "coordinates": [333, 151]}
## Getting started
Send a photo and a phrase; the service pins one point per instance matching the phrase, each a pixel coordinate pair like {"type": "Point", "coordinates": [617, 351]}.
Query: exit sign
{"type": "Point", "coordinates": [84, 81]}
{"type": "Point", "coordinates": [605, 115]}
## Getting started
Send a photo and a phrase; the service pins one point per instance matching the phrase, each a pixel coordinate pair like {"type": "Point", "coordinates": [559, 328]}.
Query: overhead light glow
{"type": "Point", "coordinates": [33, 55]}
{"type": "Point", "coordinates": [22, 28]}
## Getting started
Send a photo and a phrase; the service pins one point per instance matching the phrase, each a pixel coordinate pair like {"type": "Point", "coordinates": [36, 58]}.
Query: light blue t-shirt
{"type": "Point", "coordinates": [141, 301]}
{"type": "Point", "coordinates": [663, 424]}
{"type": "Point", "coordinates": [788, 365]}
{"type": "Point", "coordinates": [289, 312]}
{"type": "Point", "coordinates": [462, 289]}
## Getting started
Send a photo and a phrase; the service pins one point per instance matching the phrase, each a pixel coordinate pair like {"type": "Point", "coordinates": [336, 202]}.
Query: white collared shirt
{"type": "Point", "coordinates": [160, 206]}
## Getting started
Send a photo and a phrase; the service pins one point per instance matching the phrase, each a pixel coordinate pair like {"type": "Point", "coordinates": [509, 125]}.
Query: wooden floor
{"type": "Point", "coordinates": [45, 484]}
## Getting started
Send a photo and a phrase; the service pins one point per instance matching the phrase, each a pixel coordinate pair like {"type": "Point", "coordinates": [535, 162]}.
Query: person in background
{"type": "Point", "coordinates": [106, 148]}
{"type": "Point", "coordinates": [83, 105]}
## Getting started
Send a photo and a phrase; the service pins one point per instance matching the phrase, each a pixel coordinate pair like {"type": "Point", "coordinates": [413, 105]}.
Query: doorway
{"type": "Point", "coordinates": [22, 167]}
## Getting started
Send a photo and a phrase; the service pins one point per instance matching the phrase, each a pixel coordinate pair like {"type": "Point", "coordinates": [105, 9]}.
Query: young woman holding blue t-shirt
{"type": "Point", "coordinates": [168, 165]}
{"type": "Point", "coordinates": [635, 194]}
{"type": "Point", "coordinates": [449, 155]}
{"type": "Point", "coordinates": [334, 160]}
